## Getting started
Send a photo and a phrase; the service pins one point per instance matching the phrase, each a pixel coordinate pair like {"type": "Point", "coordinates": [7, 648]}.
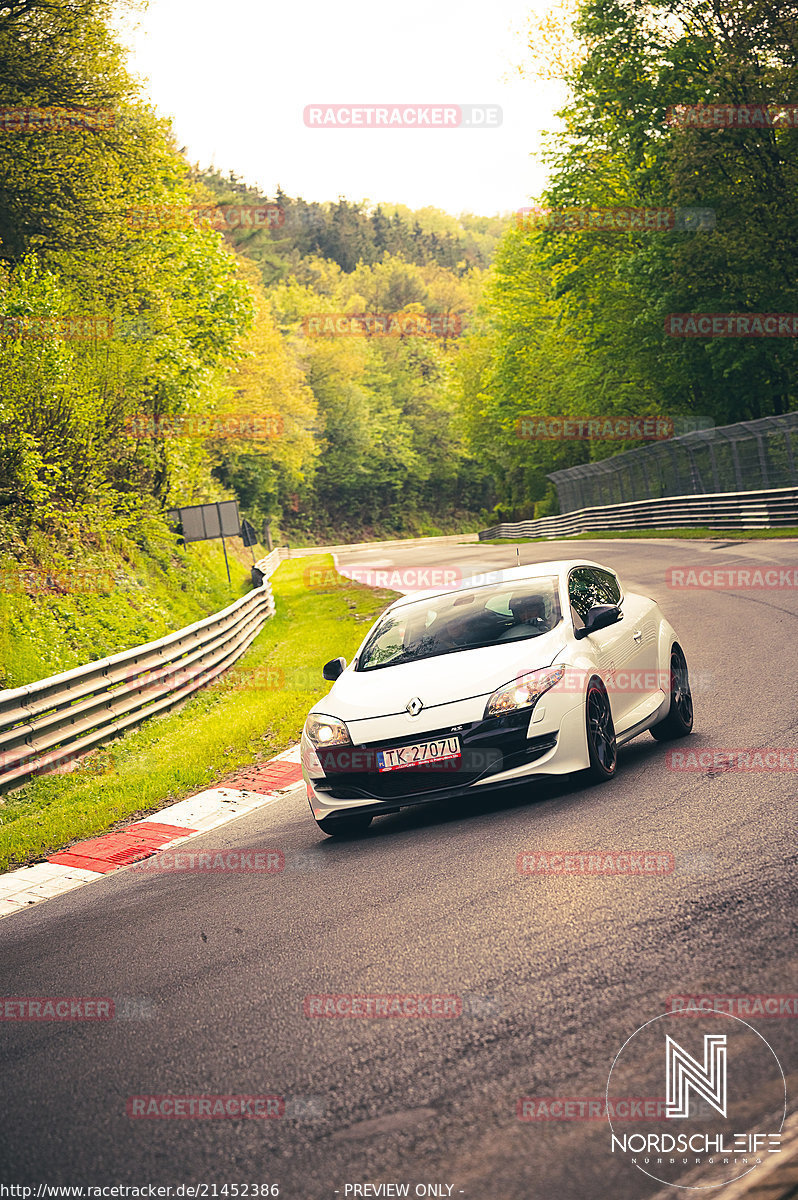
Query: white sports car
{"type": "Point", "coordinates": [543, 670]}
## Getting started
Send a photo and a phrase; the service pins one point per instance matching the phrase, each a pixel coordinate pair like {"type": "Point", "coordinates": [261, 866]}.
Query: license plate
{"type": "Point", "coordinates": [419, 754]}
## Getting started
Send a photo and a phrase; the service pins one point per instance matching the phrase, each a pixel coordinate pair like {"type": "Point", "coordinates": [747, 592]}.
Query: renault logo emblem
{"type": "Point", "coordinates": [414, 706]}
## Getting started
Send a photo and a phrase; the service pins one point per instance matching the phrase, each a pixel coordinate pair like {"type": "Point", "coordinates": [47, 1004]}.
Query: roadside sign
{"type": "Point", "coordinates": [199, 522]}
{"type": "Point", "coordinates": [248, 535]}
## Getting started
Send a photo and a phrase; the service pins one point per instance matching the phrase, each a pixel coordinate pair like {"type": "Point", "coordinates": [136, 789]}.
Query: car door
{"type": "Point", "coordinates": [616, 649]}
{"type": "Point", "coordinates": [639, 680]}
{"type": "Point", "coordinates": [643, 677]}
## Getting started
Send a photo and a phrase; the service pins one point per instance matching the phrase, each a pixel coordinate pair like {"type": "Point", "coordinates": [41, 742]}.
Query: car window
{"type": "Point", "coordinates": [612, 585]}
{"type": "Point", "coordinates": [392, 640]}
{"type": "Point", "coordinates": [464, 620]}
{"type": "Point", "coordinates": [500, 604]}
{"type": "Point", "coordinates": [590, 585]}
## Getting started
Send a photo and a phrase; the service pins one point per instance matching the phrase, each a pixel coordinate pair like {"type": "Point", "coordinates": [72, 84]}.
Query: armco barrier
{"type": "Point", "coordinates": [55, 720]}
{"type": "Point", "coordinates": [720, 510]}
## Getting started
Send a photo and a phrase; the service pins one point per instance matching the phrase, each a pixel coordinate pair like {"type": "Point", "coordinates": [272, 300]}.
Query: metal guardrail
{"type": "Point", "coordinates": [769, 509]}
{"type": "Point", "coordinates": [46, 724]}
{"type": "Point", "coordinates": [264, 567]}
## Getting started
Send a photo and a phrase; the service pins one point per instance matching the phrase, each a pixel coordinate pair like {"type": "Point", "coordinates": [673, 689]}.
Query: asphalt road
{"type": "Point", "coordinates": [556, 972]}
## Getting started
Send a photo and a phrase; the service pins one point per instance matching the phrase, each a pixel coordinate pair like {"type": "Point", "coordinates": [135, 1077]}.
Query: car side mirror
{"type": "Point", "coordinates": [334, 668]}
{"type": "Point", "coordinates": [598, 617]}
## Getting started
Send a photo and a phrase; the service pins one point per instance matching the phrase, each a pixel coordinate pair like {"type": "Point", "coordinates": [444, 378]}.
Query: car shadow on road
{"type": "Point", "coordinates": [569, 789]}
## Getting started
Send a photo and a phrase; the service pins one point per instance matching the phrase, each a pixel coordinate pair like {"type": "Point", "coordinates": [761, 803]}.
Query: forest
{"type": "Point", "coordinates": [140, 292]}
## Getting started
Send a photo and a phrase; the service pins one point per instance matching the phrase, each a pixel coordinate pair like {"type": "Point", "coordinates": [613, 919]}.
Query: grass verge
{"type": "Point", "coordinates": [253, 712]}
{"type": "Point", "coordinates": [110, 603]}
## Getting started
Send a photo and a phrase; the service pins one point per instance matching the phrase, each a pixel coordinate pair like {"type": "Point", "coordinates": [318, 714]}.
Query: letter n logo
{"type": "Point", "coordinates": [684, 1072]}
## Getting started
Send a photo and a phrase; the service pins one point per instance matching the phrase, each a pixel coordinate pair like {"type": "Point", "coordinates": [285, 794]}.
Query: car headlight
{"type": "Point", "coordinates": [524, 691]}
{"type": "Point", "coordinates": [326, 731]}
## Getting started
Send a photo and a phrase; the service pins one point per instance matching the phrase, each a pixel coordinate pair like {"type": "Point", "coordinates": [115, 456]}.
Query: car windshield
{"type": "Point", "coordinates": [484, 616]}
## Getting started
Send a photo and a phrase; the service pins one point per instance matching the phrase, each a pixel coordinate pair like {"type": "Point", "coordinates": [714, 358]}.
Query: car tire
{"type": "Point", "coordinates": [345, 826]}
{"type": "Point", "coordinates": [601, 745]}
{"type": "Point", "coordinates": [679, 721]}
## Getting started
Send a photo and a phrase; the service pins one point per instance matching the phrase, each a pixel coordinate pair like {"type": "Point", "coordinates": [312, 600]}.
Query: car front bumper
{"type": "Point", "coordinates": [496, 753]}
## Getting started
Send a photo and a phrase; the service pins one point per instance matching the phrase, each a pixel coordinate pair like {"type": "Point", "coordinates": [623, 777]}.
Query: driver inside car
{"type": "Point", "coordinates": [529, 613]}
{"type": "Point", "coordinates": [453, 635]}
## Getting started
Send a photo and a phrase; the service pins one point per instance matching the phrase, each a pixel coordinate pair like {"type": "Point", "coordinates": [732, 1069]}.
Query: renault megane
{"type": "Point", "coordinates": [544, 670]}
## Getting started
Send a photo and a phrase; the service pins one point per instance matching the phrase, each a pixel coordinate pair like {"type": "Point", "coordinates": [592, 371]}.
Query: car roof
{"type": "Point", "coordinates": [556, 566]}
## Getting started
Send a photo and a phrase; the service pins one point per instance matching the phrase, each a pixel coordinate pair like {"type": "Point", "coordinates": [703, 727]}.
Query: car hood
{"type": "Point", "coordinates": [440, 680]}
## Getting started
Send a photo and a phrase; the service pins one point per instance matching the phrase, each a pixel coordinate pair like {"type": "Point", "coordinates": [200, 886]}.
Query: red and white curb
{"type": "Point", "coordinates": [84, 862]}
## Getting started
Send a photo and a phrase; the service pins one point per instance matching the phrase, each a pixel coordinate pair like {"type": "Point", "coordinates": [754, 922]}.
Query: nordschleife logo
{"type": "Point", "coordinates": [723, 1099]}
{"type": "Point", "coordinates": [684, 1073]}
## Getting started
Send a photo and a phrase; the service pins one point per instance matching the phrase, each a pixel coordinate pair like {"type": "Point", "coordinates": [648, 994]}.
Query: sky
{"type": "Point", "coordinates": [236, 79]}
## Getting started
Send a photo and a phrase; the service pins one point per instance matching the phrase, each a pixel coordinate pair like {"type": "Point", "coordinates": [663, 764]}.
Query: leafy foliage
{"type": "Point", "coordinates": [187, 321]}
{"type": "Point", "coordinates": [574, 319]}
